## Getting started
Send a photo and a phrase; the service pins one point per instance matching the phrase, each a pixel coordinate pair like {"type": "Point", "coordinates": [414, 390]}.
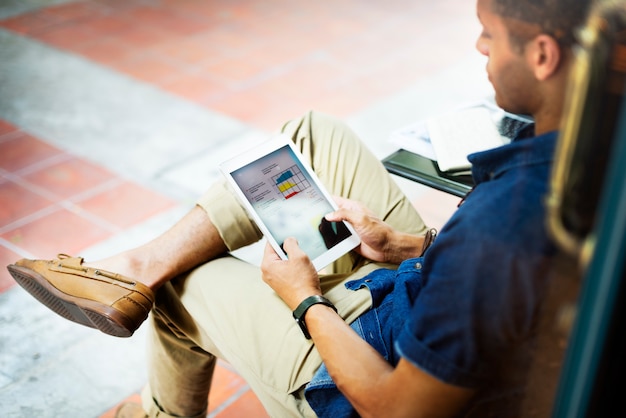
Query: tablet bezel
{"type": "Point", "coordinates": [255, 153]}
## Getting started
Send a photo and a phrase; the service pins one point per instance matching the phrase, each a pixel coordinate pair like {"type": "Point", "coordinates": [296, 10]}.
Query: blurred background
{"type": "Point", "coordinates": [115, 113]}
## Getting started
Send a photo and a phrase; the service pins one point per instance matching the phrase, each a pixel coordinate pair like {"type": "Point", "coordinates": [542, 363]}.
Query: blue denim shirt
{"type": "Point", "coordinates": [465, 311]}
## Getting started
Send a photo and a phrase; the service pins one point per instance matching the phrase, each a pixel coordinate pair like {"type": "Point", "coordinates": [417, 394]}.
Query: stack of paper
{"type": "Point", "coordinates": [456, 135]}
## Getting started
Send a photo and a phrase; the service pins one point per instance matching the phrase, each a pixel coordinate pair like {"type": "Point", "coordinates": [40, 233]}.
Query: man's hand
{"type": "Point", "coordinates": [379, 241]}
{"type": "Point", "coordinates": [294, 279]}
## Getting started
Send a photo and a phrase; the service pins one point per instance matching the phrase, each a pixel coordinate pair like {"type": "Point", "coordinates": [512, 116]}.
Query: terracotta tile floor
{"type": "Point", "coordinates": [53, 201]}
{"type": "Point", "coordinates": [260, 62]}
{"type": "Point", "coordinates": [230, 397]}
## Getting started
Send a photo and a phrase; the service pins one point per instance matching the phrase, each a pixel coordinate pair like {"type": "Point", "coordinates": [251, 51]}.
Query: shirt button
{"type": "Point", "coordinates": [418, 266]}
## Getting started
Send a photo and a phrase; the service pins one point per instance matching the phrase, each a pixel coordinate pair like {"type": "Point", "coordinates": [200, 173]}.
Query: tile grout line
{"type": "Point", "coordinates": [18, 179]}
{"type": "Point", "coordinates": [228, 402]}
{"type": "Point", "coordinates": [8, 136]}
{"type": "Point", "coordinates": [35, 216]}
{"type": "Point", "coordinates": [18, 250]}
{"type": "Point", "coordinates": [71, 204]}
{"type": "Point", "coordinates": [43, 164]}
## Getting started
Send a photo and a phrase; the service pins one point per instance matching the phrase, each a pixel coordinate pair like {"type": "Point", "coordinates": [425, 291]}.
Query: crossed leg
{"type": "Point", "coordinates": [222, 308]}
{"type": "Point", "coordinates": [211, 305]}
{"type": "Point", "coordinates": [218, 224]}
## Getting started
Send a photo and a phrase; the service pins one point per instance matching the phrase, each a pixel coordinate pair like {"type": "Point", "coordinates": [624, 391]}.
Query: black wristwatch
{"type": "Point", "coordinates": [304, 306]}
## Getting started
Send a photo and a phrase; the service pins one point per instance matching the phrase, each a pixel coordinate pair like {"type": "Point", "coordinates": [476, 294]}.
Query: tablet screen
{"type": "Point", "coordinates": [288, 202]}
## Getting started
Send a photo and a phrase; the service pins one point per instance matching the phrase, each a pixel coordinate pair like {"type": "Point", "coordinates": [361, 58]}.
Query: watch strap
{"type": "Point", "coordinates": [429, 238]}
{"type": "Point", "coordinates": [304, 306]}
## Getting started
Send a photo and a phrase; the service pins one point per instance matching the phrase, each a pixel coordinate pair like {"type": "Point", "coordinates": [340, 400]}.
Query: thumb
{"type": "Point", "coordinates": [341, 214]}
{"type": "Point", "coordinates": [291, 247]}
{"type": "Point", "coordinates": [335, 216]}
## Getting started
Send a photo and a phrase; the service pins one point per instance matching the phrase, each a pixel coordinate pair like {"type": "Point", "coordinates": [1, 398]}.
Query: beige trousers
{"type": "Point", "coordinates": [223, 309]}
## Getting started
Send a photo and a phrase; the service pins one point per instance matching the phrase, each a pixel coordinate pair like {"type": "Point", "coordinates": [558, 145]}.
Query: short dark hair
{"type": "Point", "coordinates": [557, 18]}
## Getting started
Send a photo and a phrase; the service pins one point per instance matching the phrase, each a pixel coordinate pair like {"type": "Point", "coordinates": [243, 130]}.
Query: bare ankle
{"type": "Point", "coordinates": [129, 265]}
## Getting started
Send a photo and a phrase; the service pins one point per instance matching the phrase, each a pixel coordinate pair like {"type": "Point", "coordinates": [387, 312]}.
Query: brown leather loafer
{"type": "Point", "coordinates": [110, 302]}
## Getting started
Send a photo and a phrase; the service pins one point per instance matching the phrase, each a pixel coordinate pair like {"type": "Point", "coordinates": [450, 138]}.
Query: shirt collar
{"type": "Point", "coordinates": [519, 153]}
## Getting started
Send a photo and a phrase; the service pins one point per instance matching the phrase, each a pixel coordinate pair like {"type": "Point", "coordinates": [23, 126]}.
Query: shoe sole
{"type": "Point", "coordinates": [82, 311]}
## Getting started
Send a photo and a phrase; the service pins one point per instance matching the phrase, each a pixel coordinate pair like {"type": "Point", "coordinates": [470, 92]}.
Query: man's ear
{"type": "Point", "coordinates": [544, 54]}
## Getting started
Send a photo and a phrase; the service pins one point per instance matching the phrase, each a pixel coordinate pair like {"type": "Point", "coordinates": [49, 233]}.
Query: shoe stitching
{"type": "Point", "coordinates": [114, 277]}
{"type": "Point", "coordinates": [97, 272]}
{"type": "Point", "coordinates": [143, 307]}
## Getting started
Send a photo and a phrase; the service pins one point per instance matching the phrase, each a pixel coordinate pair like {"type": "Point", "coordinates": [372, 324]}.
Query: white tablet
{"type": "Point", "coordinates": [286, 199]}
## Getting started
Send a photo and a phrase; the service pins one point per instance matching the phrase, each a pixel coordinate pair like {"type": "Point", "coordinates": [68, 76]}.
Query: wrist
{"type": "Point", "coordinates": [409, 245]}
{"type": "Point", "coordinates": [300, 312]}
{"type": "Point", "coordinates": [402, 246]}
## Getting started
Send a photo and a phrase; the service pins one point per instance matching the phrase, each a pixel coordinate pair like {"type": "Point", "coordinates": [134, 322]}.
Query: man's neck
{"type": "Point", "coordinates": [547, 124]}
{"type": "Point", "coordinates": [550, 113]}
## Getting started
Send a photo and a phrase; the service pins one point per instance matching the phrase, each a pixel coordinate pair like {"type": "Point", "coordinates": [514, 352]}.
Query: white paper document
{"type": "Point", "coordinates": [414, 138]}
{"type": "Point", "coordinates": [456, 135]}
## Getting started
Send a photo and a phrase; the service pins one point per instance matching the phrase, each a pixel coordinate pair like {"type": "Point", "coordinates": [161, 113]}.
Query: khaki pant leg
{"type": "Point", "coordinates": [223, 309]}
{"type": "Point", "coordinates": [343, 164]}
{"type": "Point", "coordinates": [348, 169]}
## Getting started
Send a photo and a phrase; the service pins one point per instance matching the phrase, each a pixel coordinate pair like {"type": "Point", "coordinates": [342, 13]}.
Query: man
{"type": "Point", "coordinates": [399, 332]}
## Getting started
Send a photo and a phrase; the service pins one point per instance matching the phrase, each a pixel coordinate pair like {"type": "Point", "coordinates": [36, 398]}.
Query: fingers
{"type": "Point", "coordinates": [344, 214]}
{"type": "Point", "coordinates": [292, 248]}
{"type": "Point", "coordinates": [293, 279]}
{"type": "Point", "coordinates": [269, 254]}
{"type": "Point", "coordinates": [343, 202]}
{"type": "Point", "coordinates": [335, 216]}
{"type": "Point", "coordinates": [349, 210]}
{"type": "Point", "coordinates": [349, 204]}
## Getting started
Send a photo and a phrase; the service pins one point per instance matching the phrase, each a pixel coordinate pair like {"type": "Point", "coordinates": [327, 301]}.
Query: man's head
{"type": "Point", "coordinates": [528, 44]}
{"type": "Point", "coordinates": [558, 18]}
